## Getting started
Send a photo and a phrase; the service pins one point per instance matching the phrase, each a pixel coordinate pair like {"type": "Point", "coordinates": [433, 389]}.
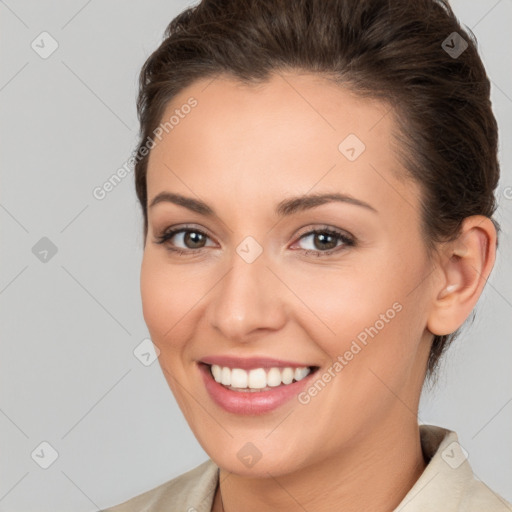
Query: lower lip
{"type": "Point", "coordinates": [251, 402]}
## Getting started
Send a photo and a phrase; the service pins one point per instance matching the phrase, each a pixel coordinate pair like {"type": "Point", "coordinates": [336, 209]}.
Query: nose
{"type": "Point", "coordinates": [247, 300]}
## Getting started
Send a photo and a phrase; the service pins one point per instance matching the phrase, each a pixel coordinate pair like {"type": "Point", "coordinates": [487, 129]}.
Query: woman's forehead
{"type": "Point", "coordinates": [285, 137]}
{"type": "Point", "coordinates": [282, 98]}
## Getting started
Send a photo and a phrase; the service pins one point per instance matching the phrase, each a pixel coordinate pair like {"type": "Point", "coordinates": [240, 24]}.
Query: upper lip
{"type": "Point", "coordinates": [248, 363]}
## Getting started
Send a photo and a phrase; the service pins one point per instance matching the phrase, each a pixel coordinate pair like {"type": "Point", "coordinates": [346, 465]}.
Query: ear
{"type": "Point", "coordinates": [464, 266]}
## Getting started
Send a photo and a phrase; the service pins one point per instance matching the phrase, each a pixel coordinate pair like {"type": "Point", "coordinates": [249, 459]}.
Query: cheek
{"type": "Point", "coordinates": [364, 323]}
{"type": "Point", "coordinates": [343, 300]}
{"type": "Point", "coordinates": [164, 298]}
{"type": "Point", "coordinates": [366, 304]}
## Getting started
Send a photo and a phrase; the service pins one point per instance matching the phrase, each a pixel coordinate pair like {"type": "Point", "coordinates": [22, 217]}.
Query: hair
{"type": "Point", "coordinates": [394, 51]}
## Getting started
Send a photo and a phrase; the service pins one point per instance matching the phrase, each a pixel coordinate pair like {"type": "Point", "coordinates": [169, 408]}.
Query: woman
{"type": "Point", "coordinates": [317, 181]}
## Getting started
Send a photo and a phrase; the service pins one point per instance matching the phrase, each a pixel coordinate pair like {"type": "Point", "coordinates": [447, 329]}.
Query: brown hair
{"type": "Point", "coordinates": [398, 52]}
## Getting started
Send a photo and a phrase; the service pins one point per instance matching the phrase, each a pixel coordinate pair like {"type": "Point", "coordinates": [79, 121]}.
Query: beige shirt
{"type": "Point", "coordinates": [446, 485]}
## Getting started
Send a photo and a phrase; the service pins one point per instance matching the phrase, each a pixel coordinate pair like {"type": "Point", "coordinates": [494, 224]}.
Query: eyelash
{"type": "Point", "coordinates": [348, 241]}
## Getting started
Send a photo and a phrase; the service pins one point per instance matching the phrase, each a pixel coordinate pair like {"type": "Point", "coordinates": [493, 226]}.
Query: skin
{"type": "Point", "coordinates": [242, 150]}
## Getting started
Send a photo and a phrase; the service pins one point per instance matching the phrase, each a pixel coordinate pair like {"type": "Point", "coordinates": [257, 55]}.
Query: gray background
{"type": "Point", "coordinates": [70, 325]}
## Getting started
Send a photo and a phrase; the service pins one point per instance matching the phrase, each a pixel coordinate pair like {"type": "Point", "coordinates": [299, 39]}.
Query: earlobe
{"type": "Point", "coordinates": [465, 266]}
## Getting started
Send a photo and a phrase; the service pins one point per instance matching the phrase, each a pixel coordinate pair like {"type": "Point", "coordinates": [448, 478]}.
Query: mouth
{"type": "Point", "coordinates": [258, 379]}
{"type": "Point", "coordinates": [260, 387]}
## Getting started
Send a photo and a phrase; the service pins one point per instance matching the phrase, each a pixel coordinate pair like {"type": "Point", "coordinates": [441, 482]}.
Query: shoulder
{"type": "Point", "coordinates": [448, 482]}
{"type": "Point", "coordinates": [192, 491]}
{"type": "Point", "coordinates": [477, 496]}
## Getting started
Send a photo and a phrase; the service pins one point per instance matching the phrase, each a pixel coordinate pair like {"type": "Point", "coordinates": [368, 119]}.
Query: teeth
{"type": "Point", "coordinates": [257, 378]}
{"type": "Point", "coordinates": [300, 373]}
{"type": "Point", "coordinates": [274, 377]}
{"type": "Point", "coordinates": [238, 378]}
{"type": "Point", "coordinates": [225, 377]}
{"type": "Point", "coordinates": [287, 376]}
{"type": "Point", "coordinates": [217, 373]}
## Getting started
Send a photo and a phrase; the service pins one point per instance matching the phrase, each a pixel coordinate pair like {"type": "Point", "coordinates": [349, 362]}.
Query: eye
{"type": "Point", "coordinates": [183, 239]}
{"type": "Point", "coordinates": [325, 241]}
{"type": "Point", "coordinates": [186, 240]}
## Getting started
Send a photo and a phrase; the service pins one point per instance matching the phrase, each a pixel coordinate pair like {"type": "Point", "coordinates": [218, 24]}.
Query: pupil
{"type": "Point", "coordinates": [328, 240]}
{"type": "Point", "coordinates": [194, 239]}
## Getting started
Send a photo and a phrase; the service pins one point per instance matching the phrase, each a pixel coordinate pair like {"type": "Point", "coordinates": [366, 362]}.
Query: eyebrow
{"type": "Point", "coordinates": [284, 208]}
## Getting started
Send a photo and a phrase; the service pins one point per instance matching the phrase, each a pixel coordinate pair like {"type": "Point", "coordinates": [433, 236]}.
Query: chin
{"type": "Point", "coordinates": [255, 460]}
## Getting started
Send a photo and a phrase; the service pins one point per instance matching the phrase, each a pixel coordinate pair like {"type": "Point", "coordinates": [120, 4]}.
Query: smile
{"type": "Point", "coordinates": [257, 379]}
{"type": "Point", "coordinates": [253, 386]}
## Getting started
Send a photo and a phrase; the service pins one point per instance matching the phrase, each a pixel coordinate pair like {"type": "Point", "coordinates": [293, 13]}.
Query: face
{"type": "Point", "coordinates": [249, 275]}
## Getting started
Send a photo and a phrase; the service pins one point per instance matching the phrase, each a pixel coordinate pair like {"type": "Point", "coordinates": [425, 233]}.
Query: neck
{"type": "Point", "coordinates": [374, 475]}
